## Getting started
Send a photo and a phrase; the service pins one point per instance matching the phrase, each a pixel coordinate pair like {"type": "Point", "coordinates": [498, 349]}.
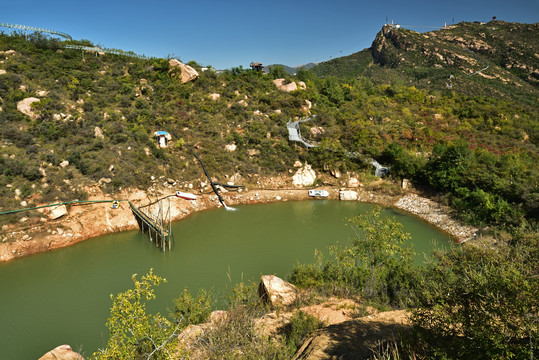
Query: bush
{"type": "Point", "coordinates": [477, 304]}
{"type": "Point", "coordinates": [300, 327]}
{"type": "Point", "coordinates": [189, 310]}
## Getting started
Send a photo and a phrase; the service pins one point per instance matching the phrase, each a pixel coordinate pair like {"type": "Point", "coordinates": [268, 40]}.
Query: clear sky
{"type": "Point", "coordinates": [226, 34]}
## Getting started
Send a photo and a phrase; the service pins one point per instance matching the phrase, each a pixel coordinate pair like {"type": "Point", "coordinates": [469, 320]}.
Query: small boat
{"type": "Point", "coordinates": [318, 193]}
{"type": "Point", "coordinates": [185, 196]}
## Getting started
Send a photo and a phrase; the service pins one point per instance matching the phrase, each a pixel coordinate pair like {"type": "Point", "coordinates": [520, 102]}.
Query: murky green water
{"type": "Point", "coordinates": [62, 297]}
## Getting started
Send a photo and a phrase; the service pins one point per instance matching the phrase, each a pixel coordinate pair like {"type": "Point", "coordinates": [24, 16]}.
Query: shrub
{"type": "Point", "coordinates": [190, 310]}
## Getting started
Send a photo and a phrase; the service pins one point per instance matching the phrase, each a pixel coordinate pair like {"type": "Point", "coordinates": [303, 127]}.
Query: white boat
{"type": "Point", "coordinates": [318, 193]}
{"type": "Point", "coordinates": [186, 196]}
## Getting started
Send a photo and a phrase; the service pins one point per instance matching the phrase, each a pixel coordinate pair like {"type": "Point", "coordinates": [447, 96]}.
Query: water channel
{"type": "Point", "coordinates": [63, 297]}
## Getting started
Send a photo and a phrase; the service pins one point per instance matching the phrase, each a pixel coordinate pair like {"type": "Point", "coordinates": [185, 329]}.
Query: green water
{"type": "Point", "coordinates": [62, 297]}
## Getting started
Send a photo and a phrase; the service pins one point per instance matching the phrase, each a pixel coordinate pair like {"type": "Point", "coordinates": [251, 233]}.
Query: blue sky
{"type": "Point", "coordinates": [226, 34]}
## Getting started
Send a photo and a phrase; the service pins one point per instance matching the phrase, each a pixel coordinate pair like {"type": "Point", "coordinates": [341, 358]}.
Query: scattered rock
{"type": "Point", "coordinates": [57, 212]}
{"type": "Point", "coordinates": [62, 352]}
{"type": "Point", "coordinates": [336, 173]}
{"type": "Point", "coordinates": [2, 71]}
{"type": "Point", "coordinates": [104, 180]}
{"type": "Point", "coordinates": [230, 147]}
{"type": "Point", "coordinates": [353, 182]}
{"type": "Point", "coordinates": [60, 231]}
{"type": "Point", "coordinates": [317, 131]}
{"type": "Point", "coordinates": [64, 163]}
{"type": "Point", "coordinates": [26, 237]}
{"type": "Point", "coordinates": [171, 181]}
{"type": "Point", "coordinates": [42, 93]}
{"type": "Point", "coordinates": [405, 184]}
{"type": "Point", "coordinates": [348, 195]}
{"type": "Point", "coordinates": [253, 152]}
{"type": "Point", "coordinates": [214, 96]}
{"type": "Point", "coordinates": [24, 203]}
{"type": "Point", "coordinates": [298, 164]}
{"type": "Point", "coordinates": [25, 106]}
{"type": "Point", "coordinates": [24, 219]}
{"type": "Point", "coordinates": [98, 133]}
{"type": "Point", "coordinates": [187, 72]}
{"type": "Point", "coordinates": [276, 291]}
{"type": "Point", "coordinates": [8, 52]}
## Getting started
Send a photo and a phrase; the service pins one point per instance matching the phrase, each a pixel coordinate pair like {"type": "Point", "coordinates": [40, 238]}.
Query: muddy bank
{"type": "Point", "coordinates": [82, 222]}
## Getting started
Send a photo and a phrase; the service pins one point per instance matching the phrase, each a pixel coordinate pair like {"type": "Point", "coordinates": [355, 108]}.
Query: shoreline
{"type": "Point", "coordinates": [83, 222]}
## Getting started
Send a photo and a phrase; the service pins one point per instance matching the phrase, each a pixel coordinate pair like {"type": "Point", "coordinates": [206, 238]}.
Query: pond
{"type": "Point", "coordinates": [63, 297]}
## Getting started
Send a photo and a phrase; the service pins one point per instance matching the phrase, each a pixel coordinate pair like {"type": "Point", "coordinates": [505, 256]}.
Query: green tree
{"type": "Point", "coordinates": [135, 334]}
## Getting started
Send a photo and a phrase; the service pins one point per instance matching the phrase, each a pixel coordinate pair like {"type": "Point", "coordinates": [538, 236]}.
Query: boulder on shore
{"type": "Point", "coordinates": [348, 195]}
{"type": "Point", "coordinates": [57, 212]}
{"type": "Point", "coordinates": [62, 352]}
{"type": "Point", "coordinates": [305, 176]}
{"type": "Point", "coordinates": [277, 292]}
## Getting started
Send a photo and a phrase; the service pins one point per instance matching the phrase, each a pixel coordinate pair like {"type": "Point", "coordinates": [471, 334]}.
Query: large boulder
{"type": "Point", "coordinates": [25, 106]}
{"type": "Point", "coordinates": [187, 72]}
{"type": "Point", "coordinates": [348, 195]}
{"type": "Point", "coordinates": [277, 292]}
{"type": "Point", "coordinates": [62, 352]}
{"type": "Point", "coordinates": [305, 176]}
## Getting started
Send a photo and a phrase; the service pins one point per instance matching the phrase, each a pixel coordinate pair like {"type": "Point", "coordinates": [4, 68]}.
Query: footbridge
{"type": "Point", "coordinates": [99, 50]}
{"type": "Point", "coordinates": [36, 29]}
{"type": "Point", "coordinates": [153, 219]}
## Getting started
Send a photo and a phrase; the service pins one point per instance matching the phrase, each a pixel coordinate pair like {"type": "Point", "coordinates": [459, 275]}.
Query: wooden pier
{"type": "Point", "coordinates": [157, 225]}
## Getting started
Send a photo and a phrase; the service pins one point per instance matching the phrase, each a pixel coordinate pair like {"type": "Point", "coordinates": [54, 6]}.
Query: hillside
{"type": "Point", "coordinates": [452, 57]}
{"type": "Point", "coordinates": [94, 115]}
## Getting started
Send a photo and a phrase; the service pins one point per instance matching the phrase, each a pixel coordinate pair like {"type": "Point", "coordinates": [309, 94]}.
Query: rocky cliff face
{"type": "Point", "coordinates": [511, 50]}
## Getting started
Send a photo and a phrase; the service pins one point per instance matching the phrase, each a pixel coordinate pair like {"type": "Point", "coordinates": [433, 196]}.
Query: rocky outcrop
{"type": "Point", "coordinates": [25, 106]}
{"type": "Point", "coordinates": [62, 352]}
{"type": "Point", "coordinates": [187, 72]}
{"type": "Point", "coordinates": [304, 176]}
{"type": "Point", "coordinates": [276, 292]}
{"type": "Point", "coordinates": [354, 339]}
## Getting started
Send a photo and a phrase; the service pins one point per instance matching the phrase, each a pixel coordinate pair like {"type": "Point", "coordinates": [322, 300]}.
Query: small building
{"type": "Point", "coordinates": [256, 66]}
{"type": "Point", "coordinates": [162, 138]}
